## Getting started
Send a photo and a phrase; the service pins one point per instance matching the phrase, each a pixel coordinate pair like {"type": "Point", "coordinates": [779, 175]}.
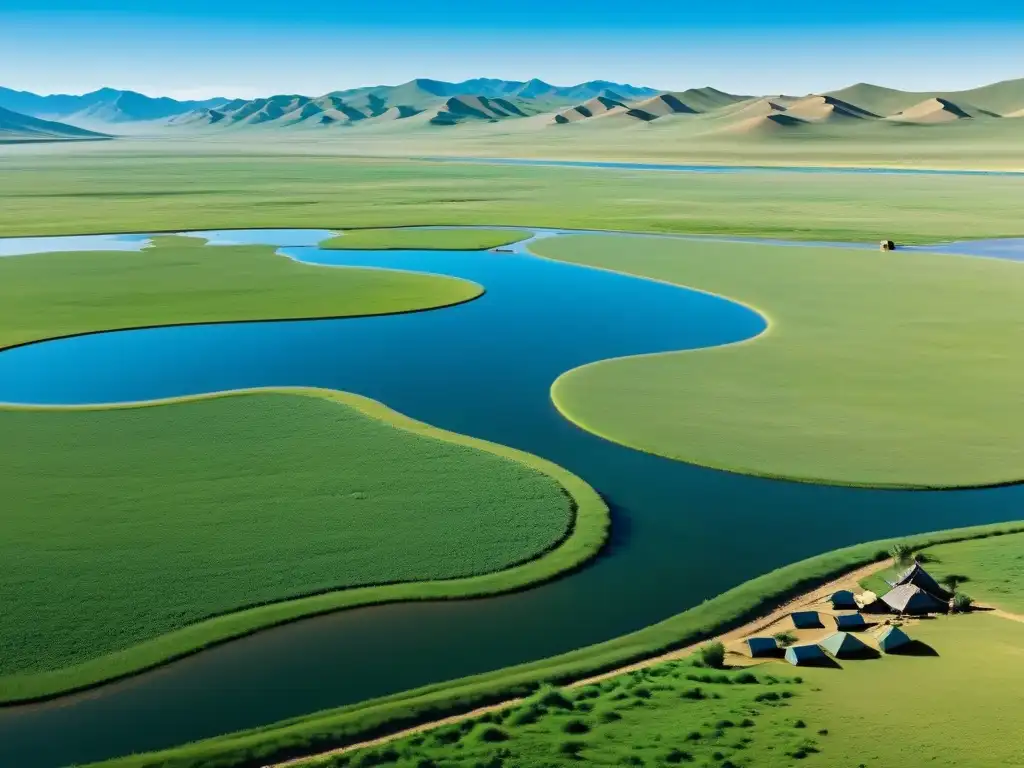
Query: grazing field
{"type": "Point", "coordinates": [423, 239]}
{"type": "Point", "coordinates": [895, 370]}
{"type": "Point", "coordinates": [360, 722]}
{"type": "Point", "coordinates": [178, 280]}
{"type": "Point", "coordinates": [139, 186]}
{"type": "Point", "coordinates": [950, 709]}
{"type": "Point", "coordinates": [169, 514]}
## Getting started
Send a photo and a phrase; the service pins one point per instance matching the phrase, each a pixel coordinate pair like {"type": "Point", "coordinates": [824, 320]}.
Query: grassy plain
{"type": "Point", "coordinates": [877, 369]}
{"type": "Point", "coordinates": [181, 281]}
{"type": "Point", "coordinates": [360, 722]}
{"type": "Point", "coordinates": [951, 709]}
{"type": "Point", "coordinates": [423, 239]}
{"type": "Point", "coordinates": [129, 186]}
{"type": "Point", "coordinates": [170, 514]}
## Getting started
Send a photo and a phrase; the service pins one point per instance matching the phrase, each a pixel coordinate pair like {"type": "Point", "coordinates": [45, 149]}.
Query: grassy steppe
{"type": "Point", "coordinates": [423, 239]}
{"type": "Point", "coordinates": [128, 186]}
{"type": "Point", "coordinates": [169, 514]}
{"type": "Point", "coordinates": [953, 709]}
{"type": "Point", "coordinates": [356, 723]}
{"type": "Point", "coordinates": [898, 370]}
{"type": "Point", "coordinates": [180, 280]}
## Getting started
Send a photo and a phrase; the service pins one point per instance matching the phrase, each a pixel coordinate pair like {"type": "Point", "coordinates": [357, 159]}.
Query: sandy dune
{"type": "Point", "coordinates": [937, 110]}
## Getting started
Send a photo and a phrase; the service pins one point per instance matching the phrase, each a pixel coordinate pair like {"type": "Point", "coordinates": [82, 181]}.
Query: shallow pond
{"type": "Point", "coordinates": [681, 533]}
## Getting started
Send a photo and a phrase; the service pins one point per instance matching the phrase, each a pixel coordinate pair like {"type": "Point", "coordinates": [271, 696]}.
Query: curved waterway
{"type": "Point", "coordinates": [681, 533]}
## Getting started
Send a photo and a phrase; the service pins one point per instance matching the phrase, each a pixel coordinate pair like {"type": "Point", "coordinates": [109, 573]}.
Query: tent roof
{"type": "Point", "coordinates": [843, 598]}
{"type": "Point", "coordinates": [804, 652]}
{"type": "Point", "coordinates": [803, 619]}
{"type": "Point", "coordinates": [892, 637]}
{"type": "Point", "coordinates": [912, 599]}
{"type": "Point", "coordinates": [762, 642]}
{"type": "Point", "coordinates": [919, 577]}
{"type": "Point", "coordinates": [841, 643]}
{"type": "Point", "coordinates": [850, 620]}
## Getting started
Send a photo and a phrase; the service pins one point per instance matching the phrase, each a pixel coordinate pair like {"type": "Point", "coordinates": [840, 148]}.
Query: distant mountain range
{"type": "Point", "coordinates": [434, 103]}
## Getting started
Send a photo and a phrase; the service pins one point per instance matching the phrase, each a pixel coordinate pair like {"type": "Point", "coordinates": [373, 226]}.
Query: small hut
{"type": "Point", "coordinates": [913, 600]}
{"type": "Point", "coordinates": [920, 578]}
{"type": "Point", "coordinates": [759, 647]}
{"type": "Point", "coordinates": [892, 638]}
{"type": "Point", "coordinates": [887, 245]}
{"type": "Point", "coordinates": [843, 600]}
{"type": "Point", "coordinates": [843, 645]}
{"type": "Point", "coordinates": [850, 622]}
{"type": "Point", "coordinates": [806, 620]}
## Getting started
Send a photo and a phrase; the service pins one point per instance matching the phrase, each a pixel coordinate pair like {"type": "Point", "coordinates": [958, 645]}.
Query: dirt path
{"type": "Point", "coordinates": [847, 581]}
{"type": "Point", "coordinates": [1005, 614]}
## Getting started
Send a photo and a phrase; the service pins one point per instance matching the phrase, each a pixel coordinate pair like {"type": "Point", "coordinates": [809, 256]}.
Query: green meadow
{"type": "Point", "coordinates": [423, 239]}
{"type": "Point", "coordinates": [950, 709]}
{"type": "Point", "coordinates": [140, 186]}
{"type": "Point", "coordinates": [879, 369]}
{"type": "Point", "coordinates": [180, 280]}
{"type": "Point", "coordinates": [171, 514]}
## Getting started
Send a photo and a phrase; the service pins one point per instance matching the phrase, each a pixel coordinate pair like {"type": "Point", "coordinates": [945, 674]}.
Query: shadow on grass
{"type": "Point", "coordinates": [914, 648]}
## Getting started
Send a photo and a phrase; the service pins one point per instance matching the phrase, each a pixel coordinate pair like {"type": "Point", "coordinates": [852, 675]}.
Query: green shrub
{"type": "Point", "coordinates": [493, 734]}
{"type": "Point", "coordinates": [747, 678]}
{"type": "Point", "coordinates": [553, 698]}
{"type": "Point", "coordinates": [695, 694]}
{"type": "Point", "coordinates": [713, 655]}
{"type": "Point", "coordinates": [572, 747]}
{"type": "Point", "coordinates": [678, 756]}
{"type": "Point", "coordinates": [901, 553]}
{"type": "Point", "coordinates": [962, 603]}
{"type": "Point", "coordinates": [527, 715]}
{"type": "Point", "coordinates": [576, 727]}
{"type": "Point", "coordinates": [785, 638]}
{"type": "Point", "coordinates": [610, 717]}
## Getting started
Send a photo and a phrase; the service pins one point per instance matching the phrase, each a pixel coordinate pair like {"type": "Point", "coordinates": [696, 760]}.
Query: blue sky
{"type": "Point", "coordinates": [201, 48]}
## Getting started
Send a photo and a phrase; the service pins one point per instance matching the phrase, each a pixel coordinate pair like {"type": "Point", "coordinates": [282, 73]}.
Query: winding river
{"type": "Point", "coordinates": [681, 533]}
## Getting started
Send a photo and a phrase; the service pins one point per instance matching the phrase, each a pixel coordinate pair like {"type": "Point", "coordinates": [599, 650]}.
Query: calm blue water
{"type": "Point", "coordinates": [715, 168]}
{"type": "Point", "coordinates": [680, 534]}
{"type": "Point", "coordinates": [18, 246]}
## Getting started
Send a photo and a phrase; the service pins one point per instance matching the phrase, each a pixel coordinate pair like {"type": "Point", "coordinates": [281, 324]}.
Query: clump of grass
{"type": "Point", "coordinates": [527, 715]}
{"type": "Point", "coordinates": [553, 698]}
{"type": "Point", "coordinates": [572, 747]}
{"type": "Point", "coordinates": [799, 724]}
{"type": "Point", "coordinates": [962, 603]}
{"type": "Point", "coordinates": [695, 694]}
{"type": "Point", "coordinates": [642, 692]}
{"type": "Point", "coordinates": [576, 726]}
{"type": "Point", "coordinates": [722, 724]}
{"type": "Point", "coordinates": [767, 696]}
{"type": "Point", "coordinates": [610, 717]}
{"type": "Point", "coordinates": [747, 723]}
{"type": "Point", "coordinates": [785, 638]}
{"type": "Point", "coordinates": [493, 734]}
{"type": "Point", "coordinates": [678, 756]}
{"type": "Point", "coordinates": [713, 655]}
{"type": "Point", "coordinates": [747, 678]}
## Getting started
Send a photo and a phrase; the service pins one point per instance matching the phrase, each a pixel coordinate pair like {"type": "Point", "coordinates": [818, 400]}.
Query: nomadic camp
{"type": "Point", "coordinates": [913, 600]}
{"type": "Point", "coordinates": [892, 638]}
{"type": "Point", "coordinates": [843, 645]}
{"type": "Point", "coordinates": [806, 620]}
{"type": "Point", "coordinates": [762, 646]}
{"type": "Point", "coordinates": [920, 578]}
{"type": "Point", "coordinates": [850, 622]}
{"type": "Point", "coordinates": [798, 655]}
{"type": "Point", "coordinates": [843, 600]}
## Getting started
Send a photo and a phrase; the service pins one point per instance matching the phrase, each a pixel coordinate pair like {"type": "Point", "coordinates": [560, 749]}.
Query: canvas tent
{"type": "Point", "coordinates": [892, 638]}
{"type": "Point", "coordinates": [850, 622]}
{"type": "Point", "coordinates": [806, 620]}
{"type": "Point", "coordinates": [762, 646]}
{"type": "Point", "coordinates": [843, 599]}
{"type": "Point", "coordinates": [921, 579]}
{"type": "Point", "coordinates": [805, 654]}
{"type": "Point", "coordinates": [843, 645]}
{"type": "Point", "coordinates": [908, 598]}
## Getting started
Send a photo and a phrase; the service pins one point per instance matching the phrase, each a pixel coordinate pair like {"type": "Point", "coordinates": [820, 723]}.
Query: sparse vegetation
{"type": "Point", "coordinates": [713, 654]}
{"type": "Point", "coordinates": [423, 239]}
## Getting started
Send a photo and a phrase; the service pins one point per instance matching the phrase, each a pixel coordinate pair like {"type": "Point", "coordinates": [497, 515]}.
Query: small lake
{"type": "Point", "coordinates": [681, 533]}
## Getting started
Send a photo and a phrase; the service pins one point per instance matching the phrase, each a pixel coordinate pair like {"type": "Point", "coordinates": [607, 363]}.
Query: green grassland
{"type": "Point", "coordinates": [423, 239]}
{"type": "Point", "coordinates": [170, 514]}
{"type": "Point", "coordinates": [950, 709]}
{"type": "Point", "coordinates": [180, 280]}
{"type": "Point", "coordinates": [128, 186]}
{"type": "Point", "coordinates": [897, 370]}
{"type": "Point", "coordinates": [367, 720]}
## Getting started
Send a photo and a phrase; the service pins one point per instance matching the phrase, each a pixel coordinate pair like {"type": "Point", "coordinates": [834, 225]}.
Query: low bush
{"type": "Point", "coordinates": [713, 655]}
